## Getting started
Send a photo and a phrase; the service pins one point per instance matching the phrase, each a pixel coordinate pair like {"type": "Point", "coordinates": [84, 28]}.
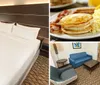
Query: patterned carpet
{"type": "Point", "coordinates": [38, 75]}
{"type": "Point", "coordinates": [85, 78]}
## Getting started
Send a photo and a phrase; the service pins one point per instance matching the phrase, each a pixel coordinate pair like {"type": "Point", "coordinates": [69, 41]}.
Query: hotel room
{"type": "Point", "coordinates": [75, 63]}
{"type": "Point", "coordinates": [24, 42]}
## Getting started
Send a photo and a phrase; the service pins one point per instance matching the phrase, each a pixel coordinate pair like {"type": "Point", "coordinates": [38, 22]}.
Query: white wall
{"type": "Point", "coordinates": [51, 61]}
{"type": "Point", "coordinates": [90, 48]}
{"type": "Point", "coordinates": [18, 2]}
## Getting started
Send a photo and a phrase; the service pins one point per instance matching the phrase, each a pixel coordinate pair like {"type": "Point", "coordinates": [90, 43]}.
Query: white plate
{"type": "Point", "coordinates": [64, 5]}
{"type": "Point", "coordinates": [73, 37]}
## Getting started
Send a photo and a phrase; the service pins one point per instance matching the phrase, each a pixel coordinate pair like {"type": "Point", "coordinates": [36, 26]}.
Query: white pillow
{"type": "Point", "coordinates": [6, 27]}
{"type": "Point", "coordinates": [25, 32]}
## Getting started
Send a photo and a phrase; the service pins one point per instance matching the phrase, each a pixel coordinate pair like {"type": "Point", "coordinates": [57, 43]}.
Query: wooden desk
{"type": "Point", "coordinates": [91, 65]}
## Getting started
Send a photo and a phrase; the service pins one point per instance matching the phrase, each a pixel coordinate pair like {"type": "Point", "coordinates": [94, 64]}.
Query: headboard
{"type": "Point", "coordinates": [31, 15]}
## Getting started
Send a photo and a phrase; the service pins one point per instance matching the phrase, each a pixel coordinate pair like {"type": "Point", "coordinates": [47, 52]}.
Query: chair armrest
{"type": "Point", "coordinates": [56, 82]}
{"type": "Point", "coordinates": [71, 60]}
{"type": "Point", "coordinates": [64, 68]}
{"type": "Point", "coordinates": [89, 55]}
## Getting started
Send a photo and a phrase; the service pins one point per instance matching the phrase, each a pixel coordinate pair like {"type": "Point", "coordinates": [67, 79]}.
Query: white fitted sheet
{"type": "Point", "coordinates": [15, 56]}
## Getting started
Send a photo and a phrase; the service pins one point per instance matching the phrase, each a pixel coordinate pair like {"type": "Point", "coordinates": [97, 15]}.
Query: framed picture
{"type": "Point", "coordinates": [76, 45]}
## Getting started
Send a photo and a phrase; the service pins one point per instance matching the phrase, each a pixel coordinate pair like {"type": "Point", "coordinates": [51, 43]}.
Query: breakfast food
{"type": "Point", "coordinates": [76, 23]}
{"type": "Point", "coordinates": [77, 32]}
{"type": "Point", "coordinates": [59, 2]}
{"type": "Point", "coordinates": [96, 22]}
{"type": "Point", "coordinates": [54, 26]}
{"type": "Point", "coordinates": [85, 10]}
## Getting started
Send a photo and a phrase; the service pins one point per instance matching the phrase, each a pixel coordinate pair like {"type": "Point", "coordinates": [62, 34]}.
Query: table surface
{"type": "Point", "coordinates": [62, 61]}
{"type": "Point", "coordinates": [53, 11]}
{"type": "Point", "coordinates": [76, 5]}
{"type": "Point", "coordinates": [91, 63]}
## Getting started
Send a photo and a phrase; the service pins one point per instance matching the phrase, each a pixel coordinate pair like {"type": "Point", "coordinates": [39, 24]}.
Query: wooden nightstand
{"type": "Point", "coordinates": [45, 48]}
{"type": "Point", "coordinates": [61, 62]}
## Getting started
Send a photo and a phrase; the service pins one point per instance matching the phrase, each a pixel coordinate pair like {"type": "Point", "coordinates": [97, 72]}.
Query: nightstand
{"type": "Point", "coordinates": [61, 62]}
{"type": "Point", "coordinates": [45, 48]}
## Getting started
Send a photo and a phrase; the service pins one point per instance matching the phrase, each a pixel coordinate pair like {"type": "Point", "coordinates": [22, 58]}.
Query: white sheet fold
{"type": "Point", "coordinates": [14, 54]}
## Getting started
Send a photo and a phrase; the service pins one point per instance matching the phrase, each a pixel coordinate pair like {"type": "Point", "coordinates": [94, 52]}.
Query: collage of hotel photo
{"type": "Point", "coordinates": [50, 42]}
{"type": "Point", "coordinates": [74, 54]}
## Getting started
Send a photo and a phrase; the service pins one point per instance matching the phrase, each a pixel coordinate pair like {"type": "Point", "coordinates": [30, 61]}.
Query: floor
{"type": "Point", "coordinates": [85, 78]}
{"type": "Point", "coordinates": [38, 75]}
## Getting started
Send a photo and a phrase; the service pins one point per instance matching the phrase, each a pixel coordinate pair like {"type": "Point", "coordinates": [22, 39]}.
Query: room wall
{"type": "Point", "coordinates": [90, 48]}
{"type": "Point", "coordinates": [21, 2]}
{"type": "Point", "coordinates": [51, 63]}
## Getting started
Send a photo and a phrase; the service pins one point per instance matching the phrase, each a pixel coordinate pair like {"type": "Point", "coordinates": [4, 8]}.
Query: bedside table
{"type": "Point", "coordinates": [45, 48]}
{"type": "Point", "coordinates": [61, 62]}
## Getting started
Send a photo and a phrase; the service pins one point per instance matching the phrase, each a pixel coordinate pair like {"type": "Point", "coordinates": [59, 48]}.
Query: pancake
{"type": "Point", "coordinates": [75, 19]}
{"type": "Point", "coordinates": [76, 23]}
{"type": "Point", "coordinates": [76, 32]}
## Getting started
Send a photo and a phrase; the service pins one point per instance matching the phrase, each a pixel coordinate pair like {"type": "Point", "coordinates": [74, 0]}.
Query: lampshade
{"type": "Point", "coordinates": [58, 47]}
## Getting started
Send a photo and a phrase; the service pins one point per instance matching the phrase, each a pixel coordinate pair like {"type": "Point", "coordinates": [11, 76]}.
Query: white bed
{"type": "Point", "coordinates": [16, 57]}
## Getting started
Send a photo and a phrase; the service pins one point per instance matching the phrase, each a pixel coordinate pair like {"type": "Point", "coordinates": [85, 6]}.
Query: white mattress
{"type": "Point", "coordinates": [15, 56]}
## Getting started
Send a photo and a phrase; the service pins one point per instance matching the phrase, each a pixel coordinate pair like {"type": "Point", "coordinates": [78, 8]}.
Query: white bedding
{"type": "Point", "coordinates": [15, 55]}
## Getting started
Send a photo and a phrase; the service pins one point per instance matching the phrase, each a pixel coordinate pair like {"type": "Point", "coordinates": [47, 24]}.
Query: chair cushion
{"type": "Point", "coordinates": [82, 60]}
{"type": "Point", "coordinates": [64, 68]}
{"type": "Point", "coordinates": [54, 74]}
{"type": "Point", "coordinates": [77, 55]}
{"type": "Point", "coordinates": [68, 74]}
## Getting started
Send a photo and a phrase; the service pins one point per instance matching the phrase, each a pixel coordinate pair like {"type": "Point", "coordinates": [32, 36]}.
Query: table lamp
{"type": "Point", "coordinates": [56, 50]}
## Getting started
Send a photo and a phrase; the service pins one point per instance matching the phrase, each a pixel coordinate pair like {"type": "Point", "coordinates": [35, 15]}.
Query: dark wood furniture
{"type": "Point", "coordinates": [33, 15]}
{"type": "Point", "coordinates": [61, 62]}
{"type": "Point", "coordinates": [45, 48]}
{"type": "Point", "coordinates": [91, 65]}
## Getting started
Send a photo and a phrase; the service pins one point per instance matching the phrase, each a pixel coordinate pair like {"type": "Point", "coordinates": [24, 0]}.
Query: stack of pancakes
{"type": "Point", "coordinates": [76, 23]}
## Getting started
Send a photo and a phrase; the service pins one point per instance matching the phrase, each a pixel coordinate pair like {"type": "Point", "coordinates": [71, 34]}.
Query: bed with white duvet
{"type": "Point", "coordinates": [18, 51]}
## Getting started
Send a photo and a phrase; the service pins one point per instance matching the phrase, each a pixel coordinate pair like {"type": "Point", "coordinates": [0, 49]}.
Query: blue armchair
{"type": "Point", "coordinates": [77, 59]}
{"type": "Point", "coordinates": [62, 76]}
